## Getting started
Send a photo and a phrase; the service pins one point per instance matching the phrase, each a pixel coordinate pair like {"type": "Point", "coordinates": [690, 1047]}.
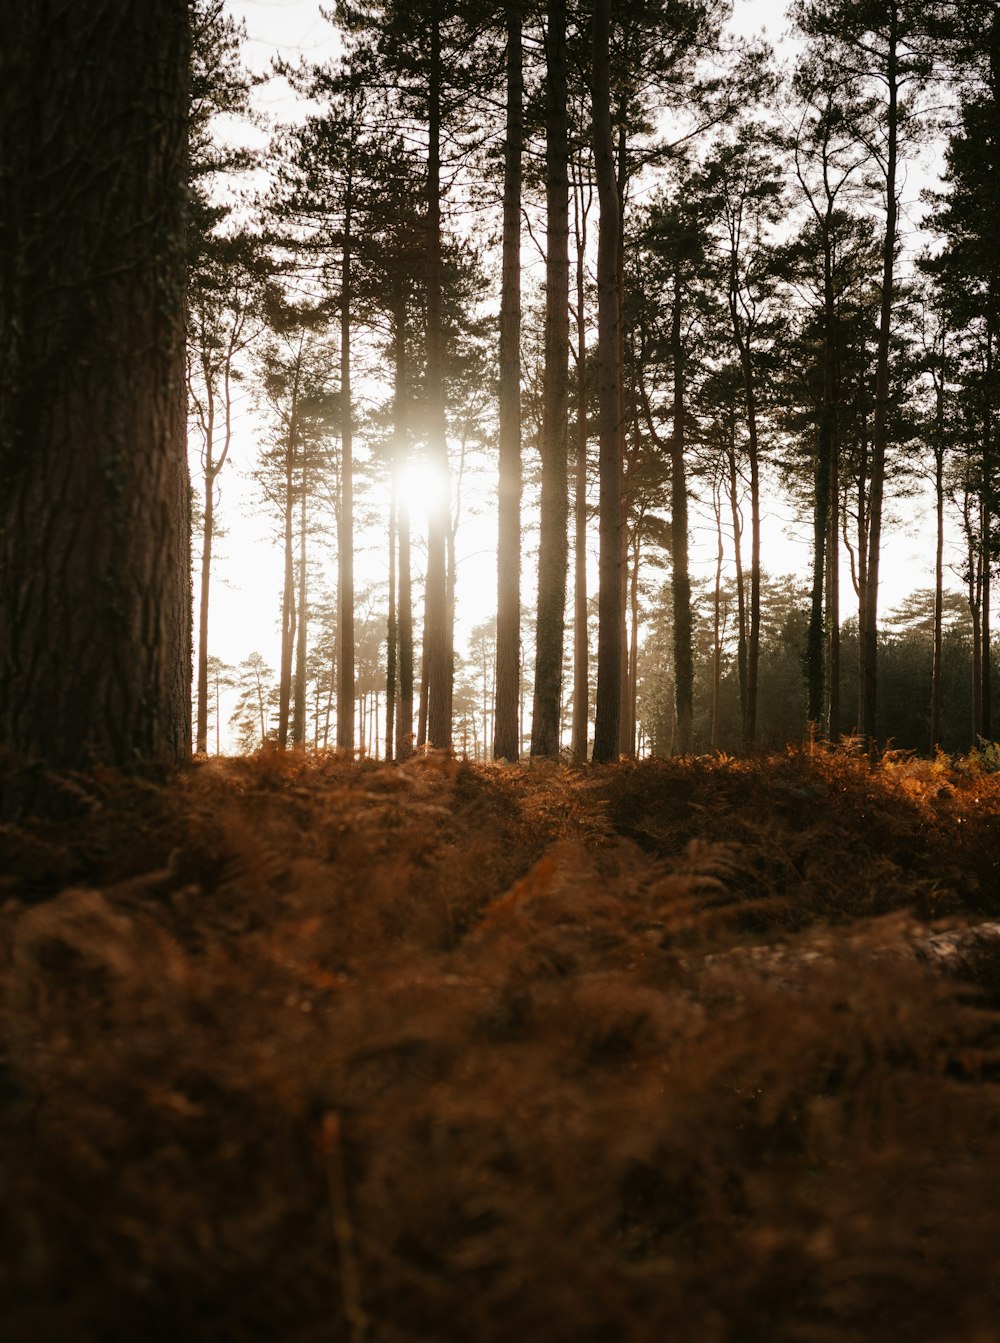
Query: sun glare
{"type": "Point", "coordinates": [422, 489]}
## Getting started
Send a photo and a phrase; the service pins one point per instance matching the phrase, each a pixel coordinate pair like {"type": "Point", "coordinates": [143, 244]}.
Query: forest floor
{"type": "Point", "coordinates": [293, 1048]}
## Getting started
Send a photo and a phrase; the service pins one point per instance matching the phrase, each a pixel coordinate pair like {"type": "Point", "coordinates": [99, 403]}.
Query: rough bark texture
{"type": "Point", "coordinates": [95, 596]}
{"type": "Point", "coordinates": [609, 602]}
{"type": "Point", "coordinates": [506, 742]}
{"type": "Point", "coordinates": [553, 552]}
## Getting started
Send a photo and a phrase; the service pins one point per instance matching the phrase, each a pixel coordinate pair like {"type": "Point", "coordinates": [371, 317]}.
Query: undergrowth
{"type": "Point", "coordinates": [294, 1048]}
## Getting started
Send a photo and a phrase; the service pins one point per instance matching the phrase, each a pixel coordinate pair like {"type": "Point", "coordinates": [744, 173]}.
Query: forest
{"type": "Point", "coordinates": [797, 329]}
{"type": "Point", "coordinates": [548, 911]}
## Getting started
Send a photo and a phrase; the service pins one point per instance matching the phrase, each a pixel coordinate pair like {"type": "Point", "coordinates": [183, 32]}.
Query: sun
{"type": "Point", "coordinates": [423, 489]}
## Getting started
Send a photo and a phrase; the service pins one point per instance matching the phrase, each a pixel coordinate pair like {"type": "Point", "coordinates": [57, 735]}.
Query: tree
{"type": "Point", "coordinates": [508, 622]}
{"type": "Point", "coordinates": [94, 513]}
{"type": "Point", "coordinates": [892, 45]}
{"type": "Point", "coordinates": [553, 541]}
{"type": "Point", "coordinates": [223, 320]}
{"type": "Point", "coordinates": [610, 606]}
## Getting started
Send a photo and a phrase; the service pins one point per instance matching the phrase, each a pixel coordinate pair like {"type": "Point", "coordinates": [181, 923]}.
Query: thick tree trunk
{"type": "Point", "coordinates": [438, 653]}
{"type": "Point", "coordinates": [609, 650]}
{"type": "Point", "coordinates": [553, 552]}
{"type": "Point", "coordinates": [95, 591]}
{"type": "Point", "coordinates": [506, 745]}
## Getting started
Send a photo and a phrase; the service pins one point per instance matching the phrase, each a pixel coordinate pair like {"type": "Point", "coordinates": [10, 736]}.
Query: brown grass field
{"type": "Point", "coordinates": [294, 1048]}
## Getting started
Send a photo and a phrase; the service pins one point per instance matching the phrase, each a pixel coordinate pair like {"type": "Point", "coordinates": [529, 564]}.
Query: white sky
{"type": "Point", "coordinates": [245, 598]}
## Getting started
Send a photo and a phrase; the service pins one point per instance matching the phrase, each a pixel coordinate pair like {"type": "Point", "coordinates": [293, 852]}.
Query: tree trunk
{"type": "Point", "coordinates": [868, 633]}
{"type": "Point", "coordinates": [288, 615]}
{"type": "Point", "coordinates": [609, 652]}
{"type": "Point", "coordinates": [95, 590]}
{"type": "Point", "coordinates": [753, 457]}
{"type": "Point", "coordinates": [205, 580]}
{"type": "Point", "coordinates": [937, 681]}
{"type": "Point", "coordinates": [438, 653]}
{"type": "Point", "coordinates": [404, 608]}
{"type": "Point", "coordinates": [581, 650]}
{"type": "Point", "coordinates": [720, 555]}
{"type": "Point", "coordinates": [301, 647]}
{"type": "Point", "coordinates": [345, 518]}
{"type": "Point", "coordinates": [392, 627]}
{"type": "Point", "coordinates": [553, 545]}
{"type": "Point", "coordinates": [986, 533]}
{"type": "Point", "coordinates": [633, 649]}
{"type": "Point", "coordinates": [741, 611]}
{"type": "Point", "coordinates": [681, 580]}
{"type": "Point", "coordinates": [833, 599]}
{"type": "Point", "coordinates": [508, 630]}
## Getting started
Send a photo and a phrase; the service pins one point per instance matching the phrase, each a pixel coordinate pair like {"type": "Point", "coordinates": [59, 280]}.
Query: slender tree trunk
{"type": "Point", "coordinates": [753, 458]}
{"type": "Point", "coordinates": [822, 502]}
{"type": "Point", "coordinates": [633, 651]}
{"type": "Point", "coordinates": [392, 624]}
{"type": "Point", "coordinates": [986, 534]}
{"type": "Point", "coordinates": [720, 555]}
{"type": "Point", "coordinates": [437, 667]}
{"type": "Point", "coordinates": [95, 588]}
{"type": "Point", "coordinates": [553, 546]}
{"type": "Point", "coordinates": [508, 628]}
{"type": "Point", "coordinates": [975, 594]}
{"type": "Point", "coordinates": [608, 715]}
{"type": "Point", "coordinates": [833, 599]}
{"type": "Point", "coordinates": [741, 612]}
{"type": "Point", "coordinates": [404, 703]}
{"type": "Point", "coordinates": [626, 743]}
{"type": "Point", "coordinates": [868, 634]}
{"type": "Point", "coordinates": [301, 650]}
{"type": "Point", "coordinates": [288, 613]}
{"type": "Point", "coordinates": [937, 681]}
{"type": "Point", "coordinates": [205, 578]}
{"type": "Point", "coordinates": [681, 580]}
{"type": "Point", "coordinates": [345, 519]}
{"type": "Point", "coordinates": [581, 650]}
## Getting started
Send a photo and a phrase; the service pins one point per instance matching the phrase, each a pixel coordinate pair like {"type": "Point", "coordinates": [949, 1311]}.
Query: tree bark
{"type": "Point", "coordinates": [345, 519]}
{"type": "Point", "coordinates": [553, 553]}
{"type": "Point", "coordinates": [581, 649]}
{"type": "Point", "coordinates": [609, 640]}
{"type": "Point", "coordinates": [506, 745]}
{"type": "Point", "coordinates": [680, 575]}
{"type": "Point", "coordinates": [868, 633]}
{"type": "Point", "coordinates": [438, 652]}
{"type": "Point", "coordinates": [404, 610]}
{"type": "Point", "coordinates": [95, 591]}
{"type": "Point", "coordinates": [301, 643]}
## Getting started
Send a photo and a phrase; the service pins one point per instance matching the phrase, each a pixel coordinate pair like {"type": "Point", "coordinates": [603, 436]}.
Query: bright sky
{"type": "Point", "coordinates": [245, 599]}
